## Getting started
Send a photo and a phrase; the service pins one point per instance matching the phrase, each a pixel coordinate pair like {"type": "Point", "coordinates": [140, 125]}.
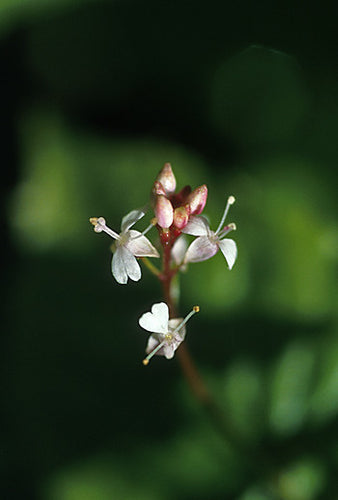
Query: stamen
{"type": "Point", "coordinates": [153, 352]}
{"type": "Point", "coordinates": [194, 310]}
{"type": "Point", "coordinates": [231, 201]}
{"type": "Point", "coordinates": [99, 224]}
{"type": "Point", "coordinates": [152, 224]}
{"type": "Point", "coordinates": [227, 229]}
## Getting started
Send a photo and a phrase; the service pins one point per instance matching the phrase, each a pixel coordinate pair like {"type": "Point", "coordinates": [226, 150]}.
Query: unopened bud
{"type": "Point", "coordinates": [158, 188]}
{"type": "Point", "coordinates": [167, 179]}
{"type": "Point", "coordinates": [197, 199]}
{"type": "Point", "coordinates": [181, 216]}
{"type": "Point", "coordinates": [164, 212]}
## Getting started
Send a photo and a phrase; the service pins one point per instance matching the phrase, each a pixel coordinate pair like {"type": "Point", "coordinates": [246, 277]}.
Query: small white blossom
{"type": "Point", "coordinates": [167, 334]}
{"type": "Point", "coordinates": [129, 245]}
{"type": "Point", "coordinates": [209, 242]}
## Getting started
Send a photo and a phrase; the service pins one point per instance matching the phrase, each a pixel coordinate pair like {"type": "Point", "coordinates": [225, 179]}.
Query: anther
{"type": "Point", "coordinates": [99, 224]}
{"type": "Point", "coordinates": [230, 227]}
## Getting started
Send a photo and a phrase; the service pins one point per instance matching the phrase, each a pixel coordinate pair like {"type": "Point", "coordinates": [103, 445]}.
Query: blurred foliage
{"type": "Point", "coordinates": [272, 109]}
{"type": "Point", "coordinates": [96, 175]}
{"type": "Point", "coordinates": [98, 95]}
{"type": "Point", "coordinates": [16, 12]}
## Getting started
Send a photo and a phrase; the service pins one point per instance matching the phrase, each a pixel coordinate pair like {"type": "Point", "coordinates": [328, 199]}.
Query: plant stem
{"type": "Point", "coordinates": [189, 369]}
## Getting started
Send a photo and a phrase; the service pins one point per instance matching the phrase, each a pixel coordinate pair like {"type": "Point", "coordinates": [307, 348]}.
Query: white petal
{"type": "Point", "coordinates": [229, 250]}
{"type": "Point", "coordinates": [169, 350]}
{"type": "Point", "coordinates": [161, 310]}
{"type": "Point", "coordinates": [130, 219]}
{"type": "Point", "coordinates": [200, 249]}
{"type": "Point", "coordinates": [140, 246]}
{"type": "Point", "coordinates": [178, 250]}
{"type": "Point", "coordinates": [197, 226]}
{"type": "Point", "coordinates": [118, 267]}
{"type": "Point", "coordinates": [153, 342]}
{"type": "Point", "coordinates": [131, 265]}
{"type": "Point", "coordinates": [157, 320]}
{"type": "Point", "coordinates": [173, 324]}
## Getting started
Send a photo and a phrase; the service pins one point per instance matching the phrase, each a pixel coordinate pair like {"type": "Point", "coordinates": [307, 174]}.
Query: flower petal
{"type": "Point", "coordinates": [169, 350]}
{"type": "Point", "coordinates": [161, 310]}
{"type": "Point", "coordinates": [153, 342]}
{"type": "Point", "coordinates": [131, 219]}
{"type": "Point", "coordinates": [200, 249]}
{"type": "Point", "coordinates": [157, 320]}
{"type": "Point", "coordinates": [132, 267]}
{"type": "Point", "coordinates": [178, 250]}
{"type": "Point", "coordinates": [173, 324]}
{"type": "Point", "coordinates": [229, 250]}
{"type": "Point", "coordinates": [197, 226]}
{"type": "Point", "coordinates": [140, 246]}
{"type": "Point", "coordinates": [118, 267]}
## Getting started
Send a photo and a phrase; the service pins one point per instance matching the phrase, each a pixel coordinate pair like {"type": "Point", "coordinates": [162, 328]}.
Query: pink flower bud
{"type": "Point", "coordinates": [167, 179]}
{"type": "Point", "coordinates": [158, 188]}
{"type": "Point", "coordinates": [197, 199]}
{"type": "Point", "coordinates": [164, 212]}
{"type": "Point", "coordinates": [181, 216]}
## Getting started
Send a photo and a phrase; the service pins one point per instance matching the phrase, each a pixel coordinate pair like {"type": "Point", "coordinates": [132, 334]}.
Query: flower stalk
{"type": "Point", "coordinates": [176, 214]}
{"type": "Point", "coordinates": [189, 369]}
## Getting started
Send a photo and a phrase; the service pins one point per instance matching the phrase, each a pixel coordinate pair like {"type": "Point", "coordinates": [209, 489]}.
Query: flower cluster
{"type": "Point", "coordinates": [173, 210]}
{"type": "Point", "coordinates": [176, 214]}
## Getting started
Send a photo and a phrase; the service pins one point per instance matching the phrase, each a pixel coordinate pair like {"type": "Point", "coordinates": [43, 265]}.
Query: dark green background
{"type": "Point", "coordinates": [95, 97]}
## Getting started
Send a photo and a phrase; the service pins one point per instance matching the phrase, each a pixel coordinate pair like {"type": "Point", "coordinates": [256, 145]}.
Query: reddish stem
{"type": "Point", "coordinates": [188, 366]}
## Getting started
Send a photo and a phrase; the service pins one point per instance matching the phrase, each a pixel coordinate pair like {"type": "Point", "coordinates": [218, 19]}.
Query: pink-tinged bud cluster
{"type": "Point", "coordinates": [173, 210]}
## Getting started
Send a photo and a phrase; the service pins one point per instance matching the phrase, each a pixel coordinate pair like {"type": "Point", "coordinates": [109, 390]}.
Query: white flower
{"type": "Point", "coordinates": [209, 242]}
{"type": "Point", "coordinates": [167, 334]}
{"type": "Point", "coordinates": [129, 245]}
